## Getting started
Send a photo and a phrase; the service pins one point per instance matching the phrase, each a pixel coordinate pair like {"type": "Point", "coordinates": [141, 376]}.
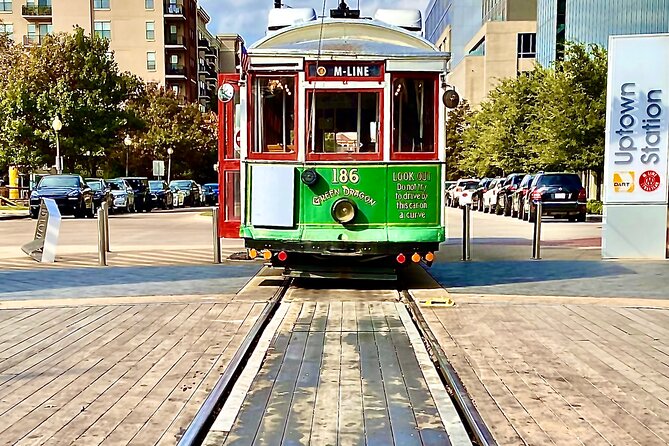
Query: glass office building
{"type": "Point", "coordinates": [593, 21]}
{"type": "Point", "coordinates": [464, 19]}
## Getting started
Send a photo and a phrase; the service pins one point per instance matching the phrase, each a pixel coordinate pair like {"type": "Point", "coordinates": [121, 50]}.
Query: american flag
{"type": "Point", "coordinates": [245, 62]}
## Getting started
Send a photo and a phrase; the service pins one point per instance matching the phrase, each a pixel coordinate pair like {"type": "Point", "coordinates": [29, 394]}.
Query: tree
{"type": "Point", "coordinates": [165, 123]}
{"type": "Point", "coordinates": [456, 122]}
{"type": "Point", "coordinates": [71, 76]}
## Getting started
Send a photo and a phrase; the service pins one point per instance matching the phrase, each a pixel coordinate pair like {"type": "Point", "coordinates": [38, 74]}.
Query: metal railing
{"type": "Point", "coordinates": [36, 10]}
{"type": "Point", "coordinates": [173, 9]}
{"type": "Point", "coordinates": [177, 70]}
{"type": "Point", "coordinates": [33, 39]}
{"type": "Point", "coordinates": [174, 40]}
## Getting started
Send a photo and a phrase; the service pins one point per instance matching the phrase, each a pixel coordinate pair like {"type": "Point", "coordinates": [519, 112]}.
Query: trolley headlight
{"type": "Point", "coordinates": [309, 177]}
{"type": "Point", "coordinates": [344, 211]}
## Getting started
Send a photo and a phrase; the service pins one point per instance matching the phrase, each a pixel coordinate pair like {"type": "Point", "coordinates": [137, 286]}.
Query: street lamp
{"type": "Point", "coordinates": [57, 125]}
{"type": "Point", "coordinates": [170, 151]}
{"type": "Point", "coordinates": [128, 142]}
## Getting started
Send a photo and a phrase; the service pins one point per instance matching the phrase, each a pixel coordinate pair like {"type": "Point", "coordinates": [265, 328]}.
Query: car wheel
{"type": "Point", "coordinates": [507, 207]}
{"type": "Point", "coordinates": [581, 217]}
{"type": "Point", "coordinates": [498, 209]}
{"type": "Point", "coordinates": [34, 214]}
{"type": "Point", "coordinates": [90, 213]}
{"type": "Point", "coordinates": [532, 217]}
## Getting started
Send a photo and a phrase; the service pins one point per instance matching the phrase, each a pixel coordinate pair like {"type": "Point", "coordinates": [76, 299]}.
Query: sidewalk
{"type": "Point", "coordinates": [12, 215]}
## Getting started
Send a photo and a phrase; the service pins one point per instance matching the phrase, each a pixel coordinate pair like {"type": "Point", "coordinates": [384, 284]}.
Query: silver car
{"type": "Point", "coordinates": [124, 197]}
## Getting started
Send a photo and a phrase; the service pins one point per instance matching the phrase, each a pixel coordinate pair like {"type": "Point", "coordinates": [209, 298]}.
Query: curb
{"type": "Point", "coordinates": [13, 216]}
{"type": "Point", "coordinates": [593, 218]}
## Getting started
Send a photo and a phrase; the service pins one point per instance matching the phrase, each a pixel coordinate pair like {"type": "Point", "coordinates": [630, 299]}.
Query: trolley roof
{"type": "Point", "coordinates": [362, 39]}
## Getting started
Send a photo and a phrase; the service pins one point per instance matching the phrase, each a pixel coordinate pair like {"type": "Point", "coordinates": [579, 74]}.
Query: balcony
{"type": "Point", "coordinates": [175, 11]}
{"type": "Point", "coordinates": [202, 43]}
{"type": "Point", "coordinates": [175, 71]}
{"type": "Point", "coordinates": [36, 12]}
{"type": "Point", "coordinates": [174, 41]}
{"type": "Point", "coordinates": [33, 39]}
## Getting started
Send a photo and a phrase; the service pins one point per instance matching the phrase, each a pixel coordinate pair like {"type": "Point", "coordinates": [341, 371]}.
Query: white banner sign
{"type": "Point", "coordinates": [158, 168]}
{"type": "Point", "coordinates": [637, 135]}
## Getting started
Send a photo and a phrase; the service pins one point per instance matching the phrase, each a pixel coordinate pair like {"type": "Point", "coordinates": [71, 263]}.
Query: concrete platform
{"type": "Point", "coordinates": [562, 370]}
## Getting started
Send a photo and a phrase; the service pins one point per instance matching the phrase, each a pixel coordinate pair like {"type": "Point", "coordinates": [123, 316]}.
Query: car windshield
{"type": "Point", "coordinates": [516, 180]}
{"type": "Point", "coordinates": [469, 184]}
{"type": "Point", "coordinates": [156, 185]}
{"type": "Point", "coordinates": [527, 180]}
{"type": "Point", "coordinates": [56, 181]}
{"type": "Point", "coordinates": [566, 179]}
{"type": "Point", "coordinates": [95, 185]}
{"type": "Point", "coordinates": [184, 184]}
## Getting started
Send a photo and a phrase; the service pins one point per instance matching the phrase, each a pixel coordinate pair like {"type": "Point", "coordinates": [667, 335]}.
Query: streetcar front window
{"type": "Point", "coordinates": [414, 124]}
{"type": "Point", "coordinates": [343, 122]}
{"type": "Point", "coordinates": [274, 99]}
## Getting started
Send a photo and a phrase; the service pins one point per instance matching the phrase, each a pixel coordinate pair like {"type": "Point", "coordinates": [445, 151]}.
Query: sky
{"type": "Point", "coordinates": [248, 18]}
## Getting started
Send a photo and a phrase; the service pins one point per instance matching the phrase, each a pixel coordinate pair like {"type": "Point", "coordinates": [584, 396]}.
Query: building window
{"type": "Point", "coordinates": [414, 114]}
{"type": "Point", "coordinates": [101, 4]}
{"type": "Point", "coordinates": [103, 29]}
{"type": "Point", "coordinates": [274, 99]}
{"type": "Point", "coordinates": [7, 29]}
{"type": "Point", "coordinates": [5, 5]}
{"type": "Point", "coordinates": [479, 49]}
{"type": "Point", "coordinates": [151, 61]}
{"type": "Point", "coordinates": [148, 4]}
{"type": "Point", "coordinates": [527, 45]}
{"type": "Point", "coordinates": [175, 89]}
{"type": "Point", "coordinates": [150, 31]}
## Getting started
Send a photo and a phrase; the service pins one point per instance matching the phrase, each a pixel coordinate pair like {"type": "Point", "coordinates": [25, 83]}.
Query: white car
{"type": "Point", "coordinates": [490, 196]}
{"type": "Point", "coordinates": [463, 191]}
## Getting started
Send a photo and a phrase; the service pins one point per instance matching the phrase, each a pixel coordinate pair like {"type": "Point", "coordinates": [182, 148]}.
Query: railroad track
{"type": "Point", "coordinates": [198, 429]}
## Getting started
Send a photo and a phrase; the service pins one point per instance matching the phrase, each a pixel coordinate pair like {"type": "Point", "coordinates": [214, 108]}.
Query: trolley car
{"type": "Point", "coordinates": [332, 140]}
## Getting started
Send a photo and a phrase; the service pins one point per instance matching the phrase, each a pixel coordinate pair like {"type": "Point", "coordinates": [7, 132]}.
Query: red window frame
{"type": "Point", "coordinates": [433, 155]}
{"type": "Point", "coordinates": [251, 154]}
{"type": "Point", "coordinates": [376, 156]}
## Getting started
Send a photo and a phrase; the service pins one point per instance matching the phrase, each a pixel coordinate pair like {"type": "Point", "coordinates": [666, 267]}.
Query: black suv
{"type": "Point", "coordinates": [161, 194]}
{"type": "Point", "coordinates": [561, 195]}
{"type": "Point", "coordinates": [70, 192]}
{"type": "Point", "coordinates": [191, 191]}
{"type": "Point", "coordinates": [101, 192]}
{"type": "Point", "coordinates": [140, 186]}
{"type": "Point", "coordinates": [509, 186]}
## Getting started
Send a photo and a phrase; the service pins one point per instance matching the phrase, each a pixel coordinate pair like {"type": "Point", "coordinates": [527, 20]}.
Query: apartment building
{"type": "Point", "coordinates": [154, 39]}
{"type": "Point", "coordinates": [500, 41]}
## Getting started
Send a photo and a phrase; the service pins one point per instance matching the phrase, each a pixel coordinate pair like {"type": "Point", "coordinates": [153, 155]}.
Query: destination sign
{"type": "Point", "coordinates": [329, 70]}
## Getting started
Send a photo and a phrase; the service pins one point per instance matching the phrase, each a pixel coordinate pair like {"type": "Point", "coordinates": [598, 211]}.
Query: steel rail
{"type": "Point", "coordinates": [464, 403]}
{"type": "Point", "coordinates": [197, 430]}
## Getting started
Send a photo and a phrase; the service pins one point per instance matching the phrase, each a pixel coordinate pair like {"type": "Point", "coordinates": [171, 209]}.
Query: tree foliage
{"type": "Point", "coordinates": [456, 123]}
{"type": "Point", "coordinates": [74, 76]}
{"type": "Point", "coordinates": [545, 119]}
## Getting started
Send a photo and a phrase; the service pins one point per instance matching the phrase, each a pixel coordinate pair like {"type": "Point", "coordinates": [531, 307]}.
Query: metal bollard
{"type": "Point", "coordinates": [102, 248]}
{"type": "Point", "coordinates": [105, 210]}
{"type": "Point", "coordinates": [466, 233]}
{"type": "Point", "coordinates": [536, 241]}
{"type": "Point", "coordinates": [217, 239]}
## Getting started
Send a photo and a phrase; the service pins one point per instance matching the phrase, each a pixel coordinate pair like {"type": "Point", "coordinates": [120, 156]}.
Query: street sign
{"type": "Point", "coordinates": [158, 168]}
{"type": "Point", "coordinates": [43, 247]}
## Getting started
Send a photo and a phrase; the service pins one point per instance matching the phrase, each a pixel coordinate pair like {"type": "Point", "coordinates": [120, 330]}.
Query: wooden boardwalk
{"type": "Point", "coordinates": [113, 371]}
{"type": "Point", "coordinates": [341, 370]}
{"type": "Point", "coordinates": [562, 371]}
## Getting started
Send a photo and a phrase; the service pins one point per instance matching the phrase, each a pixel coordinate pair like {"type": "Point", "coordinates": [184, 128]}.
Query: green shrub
{"type": "Point", "coordinates": [595, 207]}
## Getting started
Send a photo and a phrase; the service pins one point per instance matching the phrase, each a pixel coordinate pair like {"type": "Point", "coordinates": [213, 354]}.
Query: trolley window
{"type": "Point", "coordinates": [274, 102]}
{"type": "Point", "coordinates": [344, 124]}
{"type": "Point", "coordinates": [414, 117]}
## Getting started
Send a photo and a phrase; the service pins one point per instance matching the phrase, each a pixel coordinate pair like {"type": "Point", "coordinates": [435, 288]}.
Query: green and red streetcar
{"type": "Point", "coordinates": [332, 140]}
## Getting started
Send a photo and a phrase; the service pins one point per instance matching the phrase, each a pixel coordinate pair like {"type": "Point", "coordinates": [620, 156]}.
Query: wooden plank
{"type": "Point", "coordinates": [118, 392]}
{"type": "Point", "coordinates": [301, 411]}
{"type": "Point", "coordinates": [319, 321]}
{"type": "Point", "coordinates": [351, 419]}
{"type": "Point", "coordinates": [325, 424]}
{"type": "Point", "coordinates": [402, 419]}
{"type": "Point", "coordinates": [335, 316]}
{"type": "Point", "coordinates": [363, 316]}
{"type": "Point", "coordinates": [307, 310]}
{"type": "Point", "coordinates": [348, 322]}
{"type": "Point", "coordinates": [378, 319]}
{"type": "Point", "coordinates": [375, 407]}
{"type": "Point", "coordinates": [493, 416]}
{"type": "Point", "coordinates": [428, 420]}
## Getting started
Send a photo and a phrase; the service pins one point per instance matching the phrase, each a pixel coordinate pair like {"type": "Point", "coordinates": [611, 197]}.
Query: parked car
{"type": "Point", "coordinates": [561, 195]}
{"type": "Point", "coordinates": [490, 196]}
{"type": "Point", "coordinates": [101, 193]}
{"type": "Point", "coordinates": [71, 193]}
{"type": "Point", "coordinates": [478, 194]}
{"type": "Point", "coordinates": [124, 196]}
{"type": "Point", "coordinates": [519, 197]}
{"type": "Point", "coordinates": [190, 189]}
{"type": "Point", "coordinates": [511, 183]}
{"type": "Point", "coordinates": [140, 186]}
{"type": "Point", "coordinates": [464, 184]}
{"type": "Point", "coordinates": [177, 196]}
{"type": "Point", "coordinates": [161, 195]}
{"type": "Point", "coordinates": [210, 194]}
